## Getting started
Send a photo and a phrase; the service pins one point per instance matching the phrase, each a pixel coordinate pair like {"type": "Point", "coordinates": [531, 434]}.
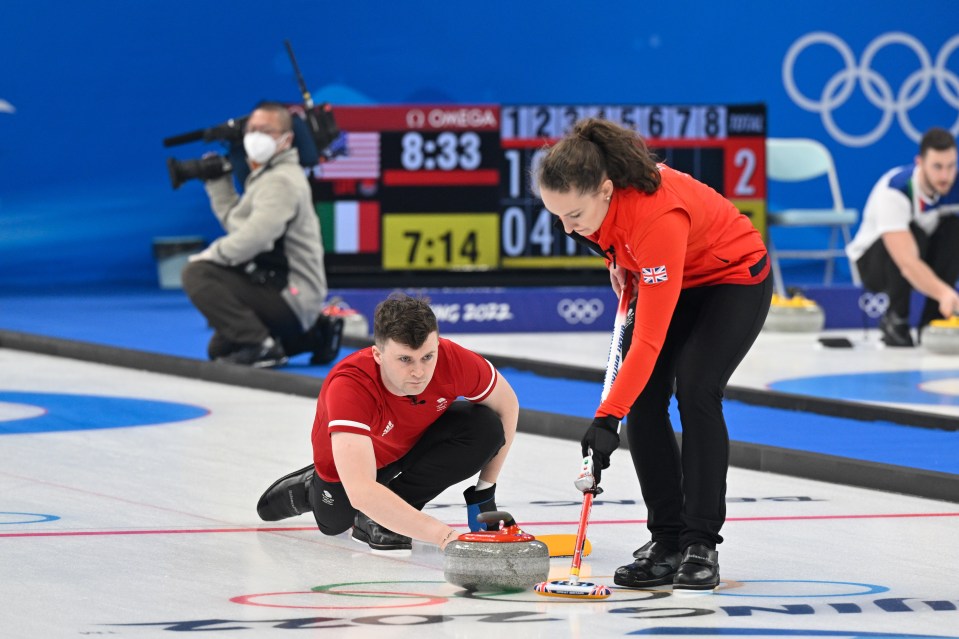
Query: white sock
{"type": "Point", "coordinates": [483, 485]}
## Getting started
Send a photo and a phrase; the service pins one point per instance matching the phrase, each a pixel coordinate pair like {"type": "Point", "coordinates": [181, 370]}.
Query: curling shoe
{"type": "Point", "coordinates": [287, 497]}
{"type": "Point", "coordinates": [699, 570]}
{"type": "Point", "coordinates": [655, 565]}
{"type": "Point", "coordinates": [379, 538]}
{"type": "Point", "coordinates": [267, 354]}
{"type": "Point", "coordinates": [895, 331]}
{"type": "Point", "coordinates": [327, 337]}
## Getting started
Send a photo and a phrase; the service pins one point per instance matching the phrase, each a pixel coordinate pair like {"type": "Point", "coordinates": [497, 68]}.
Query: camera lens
{"type": "Point", "coordinates": [207, 168]}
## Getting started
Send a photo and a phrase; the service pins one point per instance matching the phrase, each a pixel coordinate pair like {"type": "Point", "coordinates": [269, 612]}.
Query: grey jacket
{"type": "Point", "coordinates": [276, 203]}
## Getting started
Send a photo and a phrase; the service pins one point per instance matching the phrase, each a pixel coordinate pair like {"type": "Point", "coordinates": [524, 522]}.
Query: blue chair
{"type": "Point", "coordinates": [800, 160]}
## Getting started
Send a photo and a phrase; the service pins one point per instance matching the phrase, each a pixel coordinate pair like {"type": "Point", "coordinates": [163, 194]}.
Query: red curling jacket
{"type": "Point", "coordinates": [683, 235]}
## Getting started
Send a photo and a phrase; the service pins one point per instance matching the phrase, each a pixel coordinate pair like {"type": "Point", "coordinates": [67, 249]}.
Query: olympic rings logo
{"type": "Point", "coordinates": [580, 311]}
{"type": "Point", "coordinates": [875, 87]}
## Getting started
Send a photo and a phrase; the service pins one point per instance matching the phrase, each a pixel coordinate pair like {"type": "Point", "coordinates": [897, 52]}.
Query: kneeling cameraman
{"type": "Point", "coordinates": [262, 285]}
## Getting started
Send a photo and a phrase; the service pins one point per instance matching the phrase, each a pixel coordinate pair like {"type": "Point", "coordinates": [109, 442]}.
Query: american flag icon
{"type": "Point", "coordinates": [654, 275]}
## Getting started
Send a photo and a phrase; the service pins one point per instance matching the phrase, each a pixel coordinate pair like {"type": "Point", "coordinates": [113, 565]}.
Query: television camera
{"type": "Point", "coordinates": [316, 137]}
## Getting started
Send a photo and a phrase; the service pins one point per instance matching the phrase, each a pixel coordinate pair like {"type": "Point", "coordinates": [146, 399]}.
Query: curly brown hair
{"type": "Point", "coordinates": [594, 150]}
{"type": "Point", "coordinates": [404, 319]}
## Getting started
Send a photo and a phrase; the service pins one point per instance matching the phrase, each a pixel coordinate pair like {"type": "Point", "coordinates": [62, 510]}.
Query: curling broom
{"type": "Point", "coordinates": [572, 587]}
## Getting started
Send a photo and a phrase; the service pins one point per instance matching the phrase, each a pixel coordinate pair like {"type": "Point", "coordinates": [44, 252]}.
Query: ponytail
{"type": "Point", "coordinates": [593, 151]}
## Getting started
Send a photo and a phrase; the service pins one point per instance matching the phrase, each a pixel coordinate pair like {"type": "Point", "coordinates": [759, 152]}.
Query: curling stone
{"type": "Point", "coordinates": [502, 559]}
{"type": "Point", "coordinates": [355, 324]}
{"type": "Point", "coordinates": [796, 314]}
{"type": "Point", "coordinates": [942, 336]}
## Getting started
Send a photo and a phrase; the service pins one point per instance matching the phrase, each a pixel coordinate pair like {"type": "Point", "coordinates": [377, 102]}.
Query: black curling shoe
{"type": "Point", "coordinates": [268, 354]}
{"type": "Point", "coordinates": [327, 337]}
{"type": "Point", "coordinates": [287, 497]}
{"type": "Point", "coordinates": [655, 565]}
{"type": "Point", "coordinates": [699, 570]}
{"type": "Point", "coordinates": [379, 538]}
{"type": "Point", "coordinates": [895, 331]}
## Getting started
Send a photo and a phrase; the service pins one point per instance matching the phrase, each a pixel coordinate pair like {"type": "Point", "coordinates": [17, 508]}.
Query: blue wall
{"type": "Point", "coordinates": [95, 86]}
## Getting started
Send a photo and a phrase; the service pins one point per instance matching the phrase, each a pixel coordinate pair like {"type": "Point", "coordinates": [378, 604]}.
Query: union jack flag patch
{"type": "Point", "coordinates": [654, 275]}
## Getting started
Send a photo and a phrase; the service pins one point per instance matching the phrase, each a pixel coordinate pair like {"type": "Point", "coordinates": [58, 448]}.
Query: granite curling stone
{"type": "Point", "coordinates": [500, 559]}
{"type": "Point", "coordinates": [355, 324]}
{"type": "Point", "coordinates": [796, 314]}
{"type": "Point", "coordinates": [942, 336]}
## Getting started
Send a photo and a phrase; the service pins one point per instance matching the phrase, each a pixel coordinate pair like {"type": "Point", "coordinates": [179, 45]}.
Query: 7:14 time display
{"type": "Point", "coordinates": [466, 249]}
{"type": "Point", "coordinates": [441, 241]}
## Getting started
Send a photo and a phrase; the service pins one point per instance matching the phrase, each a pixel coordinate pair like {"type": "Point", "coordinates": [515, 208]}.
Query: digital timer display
{"type": "Point", "coordinates": [454, 241]}
{"type": "Point", "coordinates": [446, 151]}
{"type": "Point", "coordinates": [432, 159]}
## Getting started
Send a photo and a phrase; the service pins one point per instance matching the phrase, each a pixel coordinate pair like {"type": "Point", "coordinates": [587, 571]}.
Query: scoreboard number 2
{"type": "Point", "coordinates": [745, 160]}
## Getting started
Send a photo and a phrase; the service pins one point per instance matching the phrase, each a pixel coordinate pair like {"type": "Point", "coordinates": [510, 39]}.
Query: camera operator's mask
{"type": "Point", "coordinates": [260, 146]}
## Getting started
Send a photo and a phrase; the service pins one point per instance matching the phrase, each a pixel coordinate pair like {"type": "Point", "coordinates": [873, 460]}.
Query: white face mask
{"type": "Point", "coordinates": [259, 146]}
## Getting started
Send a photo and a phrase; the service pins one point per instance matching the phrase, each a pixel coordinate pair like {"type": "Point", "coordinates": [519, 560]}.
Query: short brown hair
{"type": "Point", "coordinates": [937, 139]}
{"type": "Point", "coordinates": [404, 319]}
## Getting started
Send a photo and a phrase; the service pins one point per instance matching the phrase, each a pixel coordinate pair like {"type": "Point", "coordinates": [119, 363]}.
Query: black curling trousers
{"type": "Point", "coordinates": [455, 447]}
{"type": "Point", "coordinates": [712, 329]}
{"type": "Point", "coordinates": [939, 250]}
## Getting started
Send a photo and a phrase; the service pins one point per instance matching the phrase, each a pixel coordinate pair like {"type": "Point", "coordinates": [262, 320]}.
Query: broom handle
{"type": "Point", "coordinates": [581, 537]}
{"type": "Point", "coordinates": [612, 368]}
{"type": "Point", "coordinates": [615, 357]}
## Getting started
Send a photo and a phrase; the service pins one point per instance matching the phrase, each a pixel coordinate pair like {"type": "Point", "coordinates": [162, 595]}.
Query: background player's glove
{"type": "Point", "coordinates": [602, 437]}
{"type": "Point", "coordinates": [479, 501]}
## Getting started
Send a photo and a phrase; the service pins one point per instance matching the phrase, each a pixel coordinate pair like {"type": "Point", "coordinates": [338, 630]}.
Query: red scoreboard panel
{"type": "Point", "coordinates": [448, 188]}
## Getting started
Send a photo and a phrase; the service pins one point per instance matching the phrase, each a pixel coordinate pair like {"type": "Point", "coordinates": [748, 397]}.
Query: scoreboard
{"type": "Point", "coordinates": [704, 141]}
{"type": "Point", "coordinates": [423, 182]}
{"type": "Point", "coordinates": [448, 188]}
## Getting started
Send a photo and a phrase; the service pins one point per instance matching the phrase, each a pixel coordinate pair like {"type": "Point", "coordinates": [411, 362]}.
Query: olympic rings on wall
{"type": "Point", "coordinates": [873, 304]}
{"type": "Point", "coordinates": [580, 311]}
{"type": "Point", "coordinates": [877, 90]}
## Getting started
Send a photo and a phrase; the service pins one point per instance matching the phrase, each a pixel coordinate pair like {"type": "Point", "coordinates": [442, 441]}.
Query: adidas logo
{"type": "Point", "coordinates": [327, 498]}
{"type": "Point", "coordinates": [389, 427]}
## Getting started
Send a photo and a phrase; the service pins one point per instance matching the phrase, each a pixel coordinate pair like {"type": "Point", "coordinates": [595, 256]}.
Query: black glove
{"type": "Point", "coordinates": [479, 501]}
{"type": "Point", "coordinates": [602, 437]}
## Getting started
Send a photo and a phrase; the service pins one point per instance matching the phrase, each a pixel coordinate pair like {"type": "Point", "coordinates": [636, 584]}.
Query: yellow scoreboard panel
{"type": "Point", "coordinates": [450, 241]}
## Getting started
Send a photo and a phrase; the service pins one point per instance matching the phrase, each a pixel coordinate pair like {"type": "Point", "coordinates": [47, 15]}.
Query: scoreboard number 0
{"type": "Point", "coordinates": [517, 172]}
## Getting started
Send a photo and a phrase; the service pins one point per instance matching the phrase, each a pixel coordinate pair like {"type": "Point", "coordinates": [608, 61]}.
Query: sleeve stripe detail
{"type": "Point", "coordinates": [490, 386]}
{"type": "Point", "coordinates": [349, 423]}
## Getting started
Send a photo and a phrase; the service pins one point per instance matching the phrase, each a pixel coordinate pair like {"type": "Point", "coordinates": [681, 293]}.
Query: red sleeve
{"type": "Point", "coordinates": [474, 375]}
{"type": "Point", "coordinates": [349, 407]}
{"type": "Point", "coordinates": [660, 254]}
